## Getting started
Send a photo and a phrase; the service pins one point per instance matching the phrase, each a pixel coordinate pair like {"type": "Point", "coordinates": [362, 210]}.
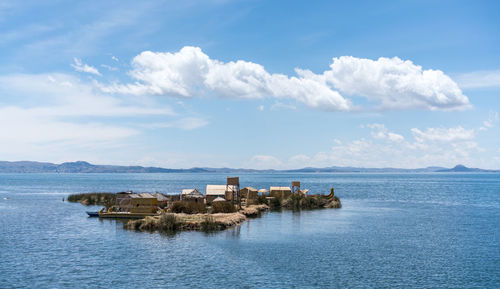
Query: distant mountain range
{"type": "Point", "coordinates": [85, 167]}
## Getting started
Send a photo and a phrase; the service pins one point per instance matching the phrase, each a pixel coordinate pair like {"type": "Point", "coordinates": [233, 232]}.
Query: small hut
{"type": "Point", "coordinates": [280, 192]}
{"type": "Point", "coordinates": [222, 191]}
{"type": "Point", "coordinates": [143, 203]}
{"type": "Point", "coordinates": [250, 194]}
{"type": "Point", "coordinates": [162, 200]}
{"type": "Point", "coordinates": [123, 201]}
{"type": "Point", "coordinates": [192, 195]}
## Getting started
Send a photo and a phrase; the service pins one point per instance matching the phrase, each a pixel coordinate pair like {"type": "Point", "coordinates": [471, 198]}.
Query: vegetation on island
{"type": "Point", "coordinates": [300, 202]}
{"type": "Point", "coordinates": [222, 215]}
{"type": "Point", "coordinates": [188, 207]}
{"type": "Point", "coordinates": [87, 199]}
{"type": "Point", "coordinates": [189, 215]}
{"type": "Point", "coordinates": [168, 222]}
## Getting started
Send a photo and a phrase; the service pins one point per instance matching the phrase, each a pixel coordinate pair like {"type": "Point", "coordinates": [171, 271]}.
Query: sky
{"type": "Point", "coordinates": [251, 84]}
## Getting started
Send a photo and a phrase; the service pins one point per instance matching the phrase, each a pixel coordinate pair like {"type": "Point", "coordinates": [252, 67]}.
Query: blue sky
{"type": "Point", "coordinates": [254, 84]}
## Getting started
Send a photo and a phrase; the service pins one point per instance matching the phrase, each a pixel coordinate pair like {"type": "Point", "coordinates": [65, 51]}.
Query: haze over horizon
{"type": "Point", "coordinates": [251, 84]}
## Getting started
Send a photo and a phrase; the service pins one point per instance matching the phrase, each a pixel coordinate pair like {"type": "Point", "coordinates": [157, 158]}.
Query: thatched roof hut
{"type": "Point", "coordinates": [218, 199]}
{"type": "Point", "coordinates": [280, 192]}
{"type": "Point", "coordinates": [223, 191]}
{"type": "Point", "coordinates": [162, 199]}
{"type": "Point", "coordinates": [192, 195]}
{"type": "Point", "coordinates": [249, 193]}
{"type": "Point", "coordinates": [143, 203]}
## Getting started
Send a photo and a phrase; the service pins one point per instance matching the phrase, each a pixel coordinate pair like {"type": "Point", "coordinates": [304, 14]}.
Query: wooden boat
{"type": "Point", "coordinates": [93, 214]}
{"type": "Point", "coordinates": [124, 215]}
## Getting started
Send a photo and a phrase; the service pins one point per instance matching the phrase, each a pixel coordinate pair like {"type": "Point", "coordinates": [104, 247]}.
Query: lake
{"type": "Point", "coordinates": [438, 230]}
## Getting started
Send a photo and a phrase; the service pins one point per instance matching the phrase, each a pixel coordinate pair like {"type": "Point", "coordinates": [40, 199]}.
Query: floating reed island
{"type": "Point", "coordinates": [222, 206]}
{"type": "Point", "coordinates": [87, 199]}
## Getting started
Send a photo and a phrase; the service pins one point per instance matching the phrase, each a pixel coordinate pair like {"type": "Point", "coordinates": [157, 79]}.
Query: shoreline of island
{"type": "Point", "coordinates": [221, 207]}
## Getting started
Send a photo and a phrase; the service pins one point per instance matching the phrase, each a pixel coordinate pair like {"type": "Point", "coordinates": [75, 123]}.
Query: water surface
{"type": "Point", "coordinates": [394, 230]}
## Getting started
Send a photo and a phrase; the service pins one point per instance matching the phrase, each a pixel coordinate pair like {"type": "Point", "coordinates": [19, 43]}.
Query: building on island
{"type": "Point", "coordinates": [143, 203]}
{"type": "Point", "coordinates": [162, 200]}
{"type": "Point", "coordinates": [222, 191]}
{"type": "Point", "coordinates": [249, 195]}
{"type": "Point", "coordinates": [280, 192]}
{"type": "Point", "coordinates": [192, 195]}
{"type": "Point", "coordinates": [122, 201]}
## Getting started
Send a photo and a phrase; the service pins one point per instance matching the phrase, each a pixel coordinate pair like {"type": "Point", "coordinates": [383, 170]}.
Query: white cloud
{"type": "Point", "coordinates": [395, 137]}
{"type": "Point", "coordinates": [479, 79]}
{"type": "Point", "coordinates": [430, 147]}
{"type": "Point", "coordinates": [260, 108]}
{"type": "Point", "coordinates": [395, 83]}
{"type": "Point", "coordinates": [423, 152]}
{"type": "Point", "coordinates": [390, 82]}
{"type": "Point", "coordinates": [57, 117]}
{"type": "Point", "coordinates": [492, 119]}
{"type": "Point", "coordinates": [78, 65]}
{"type": "Point", "coordinates": [110, 68]}
{"type": "Point", "coordinates": [380, 131]}
{"type": "Point", "coordinates": [187, 123]}
{"type": "Point", "coordinates": [443, 134]}
{"type": "Point", "coordinates": [65, 95]}
{"type": "Point", "coordinates": [115, 58]}
{"type": "Point", "coordinates": [190, 71]}
{"type": "Point", "coordinates": [23, 125]}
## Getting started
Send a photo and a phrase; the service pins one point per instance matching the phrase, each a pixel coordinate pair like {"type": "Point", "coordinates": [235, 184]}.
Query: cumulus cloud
{"type": "Point", "coordinates": [78, 65]}
{"type": "Point", "coordinates": [372, 153]}
{"type": "Point", "coordinates": [395, 83]}
{"type": "Point", "coordinates": [391, 82]}
{"type": "Point", "coordinates": [190, 71]}
{"type": "Point", "coordinates": [443, 134]}
{"type": "Point", "coordinates": [429, 147]}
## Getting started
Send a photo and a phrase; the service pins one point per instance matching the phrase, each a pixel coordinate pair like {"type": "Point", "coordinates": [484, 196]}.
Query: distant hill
{"type": "Point", "coordinates": [462, 168]}
{"type": "Point", "coordinates": [364, 170]}
{"type": "Point", "coordinates": [85, 167]}
{"type": "Point", "coordinates": [81, 167]}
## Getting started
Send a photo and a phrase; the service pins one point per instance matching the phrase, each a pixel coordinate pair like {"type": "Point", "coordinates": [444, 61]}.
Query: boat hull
{"type": "Point", "coordinates": [125, 215]}
{"type": "Point", "coordinates": [93, 214]}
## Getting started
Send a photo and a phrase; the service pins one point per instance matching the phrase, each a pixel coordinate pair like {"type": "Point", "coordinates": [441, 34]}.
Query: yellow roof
{"type": "Point", "coordinates": [216, 190]}
{"type": "Point", "coordinates": [280, 189]}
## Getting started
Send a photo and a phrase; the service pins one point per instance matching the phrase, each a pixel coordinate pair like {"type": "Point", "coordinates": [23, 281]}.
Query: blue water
{"type": "Point", "coordinates": [394, 230]}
